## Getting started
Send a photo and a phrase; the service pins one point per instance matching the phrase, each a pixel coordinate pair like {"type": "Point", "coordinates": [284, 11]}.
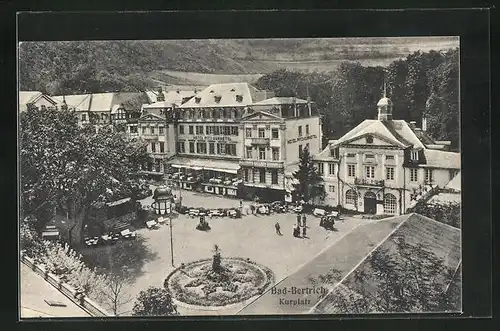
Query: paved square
{"type": "Point", "coordinates": [251, 236]}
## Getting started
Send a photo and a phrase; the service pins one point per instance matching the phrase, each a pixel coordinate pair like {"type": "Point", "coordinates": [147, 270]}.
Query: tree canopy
{"type": "Point", "coordinates": [70, 167]}
{"type": "Point", "coordinates": [308, 177]}
{"type": "Point", "coordinates": [423, 83]}
{"type": "Point", "coordinates": [154, 301]}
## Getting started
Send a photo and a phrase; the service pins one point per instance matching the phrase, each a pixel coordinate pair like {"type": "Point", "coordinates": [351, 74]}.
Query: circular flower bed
{"type": "Point", "coordinates": [195, 283]}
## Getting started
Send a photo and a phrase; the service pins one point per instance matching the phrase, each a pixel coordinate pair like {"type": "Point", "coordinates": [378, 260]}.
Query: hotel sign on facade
{"type": "Point", "coordinates": [213, 138]}
{"type": "Point", "coordinates": [291, 141]}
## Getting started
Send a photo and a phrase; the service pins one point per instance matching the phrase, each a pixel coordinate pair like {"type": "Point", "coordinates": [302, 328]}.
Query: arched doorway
{"type": "Point", "coordinates": [370, 201]}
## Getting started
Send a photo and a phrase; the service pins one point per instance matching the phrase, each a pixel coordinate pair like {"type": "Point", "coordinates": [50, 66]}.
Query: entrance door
{"type": "Point", "coordinates": [370, 202]}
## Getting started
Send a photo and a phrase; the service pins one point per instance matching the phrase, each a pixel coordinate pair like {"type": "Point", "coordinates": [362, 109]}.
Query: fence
{"type": "Point", "coordinates": [87, 304]}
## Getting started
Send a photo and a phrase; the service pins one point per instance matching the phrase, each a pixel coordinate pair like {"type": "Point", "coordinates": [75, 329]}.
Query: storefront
{"type": "Point", "coordinates": [218, 177]}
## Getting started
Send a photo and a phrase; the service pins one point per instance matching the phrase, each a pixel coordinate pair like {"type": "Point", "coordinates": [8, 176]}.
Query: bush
{"type": "Point", "coordinates": [154, 302]}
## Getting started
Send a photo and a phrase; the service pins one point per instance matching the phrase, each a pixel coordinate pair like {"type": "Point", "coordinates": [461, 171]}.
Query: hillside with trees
{"type": "Point", "coordinates": [421, 83]}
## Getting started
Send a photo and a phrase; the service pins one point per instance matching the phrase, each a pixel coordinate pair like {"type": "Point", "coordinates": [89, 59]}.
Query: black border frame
{"type": "Point", "coordinates": [472, 25]}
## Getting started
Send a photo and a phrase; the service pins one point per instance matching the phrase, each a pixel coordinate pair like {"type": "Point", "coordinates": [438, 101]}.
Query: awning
{"type": "Point", "coordinates": [206, 164]}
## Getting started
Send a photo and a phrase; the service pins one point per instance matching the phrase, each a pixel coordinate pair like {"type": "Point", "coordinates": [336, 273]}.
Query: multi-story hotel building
{"type": "Point", "coordinates": [35, 99]}
{"type": "Point", "coordinates": [383, 166]}
{"type": "Point", "coordinates": [233, 139]}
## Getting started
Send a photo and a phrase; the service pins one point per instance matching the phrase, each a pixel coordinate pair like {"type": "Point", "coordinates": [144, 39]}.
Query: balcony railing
{"type": "Point", "coordinates": [149, 135]}
{"type": "Point", "coordinates": [369, 182]}
{"type": "Point", "coordinates": [261, 163]}
{"type": "Point", "coordinates": [259, 141]}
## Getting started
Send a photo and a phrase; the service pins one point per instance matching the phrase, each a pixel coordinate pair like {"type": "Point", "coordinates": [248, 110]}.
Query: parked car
{"type": "Point", "coordinates": [278, 207]}
{"type": "Point", "coordinates": [234, 213]}
{"type": "Point", "coordinates": [298, 209]}
{"type": "Point", "coordinates": [216, 213]}
{"type": "Point", "coordinates": [194, 212]}
{"type": "Point", "coordinates": [263, 209]}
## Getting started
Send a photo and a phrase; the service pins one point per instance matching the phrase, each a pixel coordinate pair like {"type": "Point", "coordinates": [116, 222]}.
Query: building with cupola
{"type": "Point", "coordinates": [384, 165]}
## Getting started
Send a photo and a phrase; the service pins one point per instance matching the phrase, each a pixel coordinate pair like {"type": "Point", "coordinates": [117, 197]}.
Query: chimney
{"type": "Point", "coordinates": [160, 96]}
{"type": "Point", "coordinates": [413, 125]}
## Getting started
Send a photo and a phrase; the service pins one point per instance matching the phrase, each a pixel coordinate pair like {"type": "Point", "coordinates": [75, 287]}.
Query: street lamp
{"type": "Point", "coordinates": [163, 206]}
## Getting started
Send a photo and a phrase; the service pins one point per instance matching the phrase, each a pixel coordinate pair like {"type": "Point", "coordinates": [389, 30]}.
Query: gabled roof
{"type": "Point", "coordinates": [77, 101]}
{"type": "Point", "coordinates": [30, 97]}
{"type": "Point", "coordinates": [259, 114]}
{"type": "Point", "coordinates": [227, 94]}
{"type": "Point", "coordinates": [397, 131]}
{"type": "Point", "coordinates": [153, 116]}
{"type": "Point", "coordinates": [455, 183]}
{"type": "Point", "coordinates": [280, 101]}
{"type": "Point", "coordinates": [98, 101]}
{"type": "Point", "coordinates": [441, 159]}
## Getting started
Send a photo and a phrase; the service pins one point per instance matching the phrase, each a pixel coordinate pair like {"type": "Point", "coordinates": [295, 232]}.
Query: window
{"type": "Point", "coordinates": [211, 148]}
{"type": "Point", "coordinates": [201, 148]}
{"type": "Point", "coordinates": [221, 148]}
{"type": "Point", "coordinates": [351, 197]}
{"type": "Point", "coordinates": [153, 147]}
{"type": "Point", "coordinates": [262, 153]}
{"type": "Point", "coordinates": [262, 175]}
{"type": "Point", "coordinates": [389, 173]}
{"type": "Point", "coordinates": [389, 157]}
{"type": "Point", "coordinates": [162, 147]}
{"type": "Point", "coordinates": [210, 130]}
{"type": "Point", "coordinates": [234, 130]}
{"type": "Point", "coordinates": [216, 130]}
{"type": "Point", "coordinates": [230, 149]}
{"type": "Point", "coordinates": [143, 130]}
{"type": "Point", "coordinates": [246, 174]}
{"type": "Point", "coordinates": [262, 133]}
{"type": "Point", "coordinates": [248, 133]}
{"type": "Point", "coordinates": [351, 170]}
{"type": "Point", "coordinates": [307, 129]}
{"type": "Point", "coordinates": [199, 129]}
{"type": "Point", "coordinates": [161, 130]}
{"type": "Point", "coordinates": [191, 129]}
{"type": "Point", "coordinates": [370, 172]}
{"type": "Point", "coordinates": [181, 129]}
{"type": "Point", "coordinates": [191, 147]}
{"type": "Point", "coordinates": [133, 129]}
{"type": "Point", "coordinates": [249, 153]}
{"type": "Point", "coordinates": [274, 176]}
{"type": "Point", "coordinates": [300, 130]}
{"type": "Point", "coordinates": [84, 117]}
{"type": "Point", "coordinates": [334, 153]}
{"type": "Point", "coordinates": [300, 150]}
{"type": "Point", "coordinates": [321, 168]}
{"type": "Point", "coordinates": [428, 176]}
{"type": "Point", "coordinates": [369, 156]}
{"type": "Point", "coordinates": [414, 155]}
{"type": "Point", "coordinates": [413, 175]}
{"type": "Point", "coordinates": [351, 155]}
{"type": "Point", "coordinates": [276, 153]}
{"type": "Point", "coordinates": [274, 133]}
{"type": "Point", "coordinates": [181, 147]}
{"type": "Point", "coordinates": [331, 188]}
{"type": "Point", "coordinates": [152, 130]}
{"type": "Point", "coordinates": [331, 169]}
{"type": "Point", "coordinates": [389, 204]}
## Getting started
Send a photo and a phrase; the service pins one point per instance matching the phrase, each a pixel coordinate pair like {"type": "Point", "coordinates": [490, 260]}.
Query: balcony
{"type": "Point", "coordinates": [149, 136]}
{"type": "Point", "coordinates": [259, 141]}
{"type": "Point", "coordinates": [261, 163]}
{"type": "Point", "coordinates": [369, 182]}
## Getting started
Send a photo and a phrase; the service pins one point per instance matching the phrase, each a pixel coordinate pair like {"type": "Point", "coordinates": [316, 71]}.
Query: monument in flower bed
{"type": "Point", "coordinates": [218, 281]}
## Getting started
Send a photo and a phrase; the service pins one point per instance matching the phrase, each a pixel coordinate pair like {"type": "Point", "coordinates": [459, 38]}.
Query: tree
{"type": "Point", "coordinates": [115, 295]}
{"type": "Point", "coordinates": [308, 177]}
{"type": "Point", "coordinates": [154, 302]}
{"type": "Point", "coordinates": [72, 168]}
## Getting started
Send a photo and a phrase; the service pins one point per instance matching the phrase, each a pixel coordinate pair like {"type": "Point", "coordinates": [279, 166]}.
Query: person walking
{"type": "Point", "coordinates": [298, 219]}
{"type": "Point", "coordinates": [241, 205]}
{"type": "Point", "coordinates": [304, 232]}
{"type": "Point", "coordinates": [304, 221]}
{"type": "Point", "coordinates": [278, 228]}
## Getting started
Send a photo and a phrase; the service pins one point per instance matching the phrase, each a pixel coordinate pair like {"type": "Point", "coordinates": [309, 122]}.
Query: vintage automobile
{"type": "Point", "coordinates": [216, 213]}
{"type": "Point", "coordinates": [263, 209]}
{"type": "Point", "coordinates": [234, 213]}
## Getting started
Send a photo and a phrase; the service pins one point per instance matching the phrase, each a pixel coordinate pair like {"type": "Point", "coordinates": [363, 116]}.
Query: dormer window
{"type": "Point", "coordinates": [197, 99]}
{"type": "Point", "coordinates": [334, 152]}
{"type": "Point", "coordinates": [217, 98]}
{"type": "Point", "coordinates": [239, 98]}
{"type": "Point", "coordinates": [414, 155]}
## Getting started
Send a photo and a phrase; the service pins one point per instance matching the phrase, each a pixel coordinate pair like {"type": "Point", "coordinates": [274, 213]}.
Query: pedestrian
{"type": "Point", "coordinates": [295, 231]}
{"type": "Point", "coordinates": [304, 221]}
{"type": "Point", "coordinates": [241, 205]}
{"type": "Point", "coordinates": [298, 219]}
{"type": "Point", "coordinates": [304, 232]}
{"type": "Point", "coordinates": [277, 227]}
